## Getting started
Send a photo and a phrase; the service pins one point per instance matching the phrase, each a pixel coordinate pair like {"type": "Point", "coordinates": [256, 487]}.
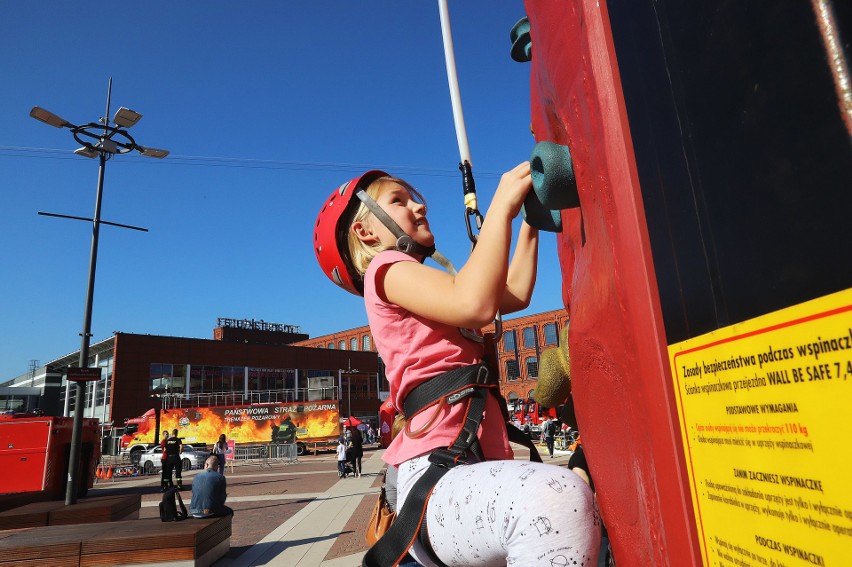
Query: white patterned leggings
{"type": "Point", "coordinates": [514, 513]}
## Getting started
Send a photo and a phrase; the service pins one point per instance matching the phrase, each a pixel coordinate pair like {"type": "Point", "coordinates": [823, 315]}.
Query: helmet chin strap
{"type": "Point", "coordinates": [407, 245]}
{"type": "Point", "coordinates": [404, 242]}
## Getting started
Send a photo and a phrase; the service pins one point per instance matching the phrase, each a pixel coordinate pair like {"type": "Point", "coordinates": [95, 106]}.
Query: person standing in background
{"type": "Point", "coordinates": [219, 449]}
{"type": "Point", "coordinates": [355, 450]}
{"type": "Point", "coordinates": [163, 447]}
{"type": "Point", "coordinates": [548, 431]}
{"type": "Point", "coordinates": [172, 450]}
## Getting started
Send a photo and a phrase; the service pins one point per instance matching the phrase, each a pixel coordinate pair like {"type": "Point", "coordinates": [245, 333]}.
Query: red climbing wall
{"type": "Point", "coordinates": [622, 385]}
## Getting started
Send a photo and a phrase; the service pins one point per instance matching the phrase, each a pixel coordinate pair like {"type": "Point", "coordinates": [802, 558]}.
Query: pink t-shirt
{"type": "Point", "coordinates": [415, 349]}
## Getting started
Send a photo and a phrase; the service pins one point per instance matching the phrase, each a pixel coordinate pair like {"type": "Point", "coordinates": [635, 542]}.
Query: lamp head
{"type": "Point", "coordinates": [152, 152]}
{"type": "Point", "coordinates": [87, 151]}
{"type": "Point", "coordinates": [125, 117]}
{"type": "Point", "coordinates": [48, 117]}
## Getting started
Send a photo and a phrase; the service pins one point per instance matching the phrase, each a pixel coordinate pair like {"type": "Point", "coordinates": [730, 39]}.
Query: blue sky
{"type": "Point", "coordinates": [266, 107]}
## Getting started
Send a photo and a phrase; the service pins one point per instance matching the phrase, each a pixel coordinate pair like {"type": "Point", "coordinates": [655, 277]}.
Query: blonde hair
{"type": "Point", "coordinates": [361, 253]}
{"type": "Point", "coordinates": [398, 425]}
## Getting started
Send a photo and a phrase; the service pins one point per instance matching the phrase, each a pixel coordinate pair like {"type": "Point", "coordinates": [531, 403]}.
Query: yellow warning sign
{"type": "Point", "coordinates": [765, 411]}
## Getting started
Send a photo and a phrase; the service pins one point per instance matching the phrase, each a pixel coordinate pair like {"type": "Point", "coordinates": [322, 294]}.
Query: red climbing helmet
{"type": "Point", "coordinates": [330, 238]}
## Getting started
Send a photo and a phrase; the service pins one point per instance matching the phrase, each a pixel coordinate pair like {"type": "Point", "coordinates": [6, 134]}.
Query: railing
{"type": "Point", "coordinates": [262, 455]}
{"type": "Point", "coordinates": [266, 455]}
{"type": "Point", "coordinates": [285, 453]}
{"type": "Point", "coordinates": [177, 401]}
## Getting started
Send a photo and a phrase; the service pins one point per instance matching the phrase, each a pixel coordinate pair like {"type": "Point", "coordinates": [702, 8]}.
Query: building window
{"type": "Point", "coordinates": [513, 372]}
{"type": "Point", "coordinates": [509, 341]}
{"type": "Point", "coordinates": [214, 379]}
{"type": "Point", "coordinates": [107, 387]}
{"type": "Point", "coordinates": [512, 402]}
{"type": "Point", "coordinates": [165, 378]}
{"type": "Point", "coordinates": [532, 367]}
{"type": "Point", "coordinates": [233, 379]}
{"type": "Point", "coordinates": [331, 344]}
{"type": "Point", "coordinates": [529, 337]}
{"type": "Point", "coordinates": [341, 345]}
{"type": "Point", "coordinates": [261, 379]}
{"type": "Point", "coordinates": [353, 343]}
{"type": "Point", "coordinates": [365, 343]}
{"type": "Point", "coordinates": [72, 398]}
{"type": "Point", "coordinates": [551, 337]}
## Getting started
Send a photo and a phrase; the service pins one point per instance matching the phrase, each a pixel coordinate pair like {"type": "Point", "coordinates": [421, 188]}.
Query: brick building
{"type": "Point", "coordinates": [247, 362]}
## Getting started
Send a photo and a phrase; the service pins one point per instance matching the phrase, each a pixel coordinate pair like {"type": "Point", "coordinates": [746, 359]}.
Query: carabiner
{"type": "Point", "coordinates": [468, 213]}
{"type": "Point", "coordinates": [471, 209]}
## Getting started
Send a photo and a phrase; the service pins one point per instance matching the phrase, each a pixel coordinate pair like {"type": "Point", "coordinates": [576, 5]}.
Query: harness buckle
{"type": "Point", "coordinates": [447, 458]}
{"type": "Point", "coordinates": [483, 376]}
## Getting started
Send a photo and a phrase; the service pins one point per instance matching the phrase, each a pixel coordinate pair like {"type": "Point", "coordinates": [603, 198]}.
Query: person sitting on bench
{"type": "Point", "coordinates": [209, 492]}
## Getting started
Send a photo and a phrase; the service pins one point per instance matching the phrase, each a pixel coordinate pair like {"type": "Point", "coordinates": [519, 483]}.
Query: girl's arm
{"type": "Point", "coordinates": [522, 271]}
{"type": "Point", "coordinates": [472, 297]}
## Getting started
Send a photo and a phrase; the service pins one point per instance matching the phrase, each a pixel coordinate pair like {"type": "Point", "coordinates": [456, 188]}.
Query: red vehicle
{"type": "Point", "coordinates": [34, 453]}
{"type": "Point", "coordinates": [531, 412]}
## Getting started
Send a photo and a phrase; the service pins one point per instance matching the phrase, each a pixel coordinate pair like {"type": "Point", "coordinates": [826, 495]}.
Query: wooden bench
{"type": "Point", "coordinates": [86, 511]}
{"type": "Point", "coordinates": [193, 542]}
{"type": "Point", "coordinates": [15, 499]}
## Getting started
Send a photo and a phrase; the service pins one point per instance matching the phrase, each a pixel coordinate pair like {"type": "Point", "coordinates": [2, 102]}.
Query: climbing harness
{"type": "Point", "coordinates": [470, 385]}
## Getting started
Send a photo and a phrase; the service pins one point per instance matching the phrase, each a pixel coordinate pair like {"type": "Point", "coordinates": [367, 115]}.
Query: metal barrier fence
{"type": "Point", "coordinates": [287, 452]}
{"type": "Point", "coordinates": [265, 455]}
{"type": "Point", "coordinates": [111, 467]}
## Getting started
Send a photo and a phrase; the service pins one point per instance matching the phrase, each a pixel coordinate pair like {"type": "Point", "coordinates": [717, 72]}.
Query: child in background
{"type": "Point", "coordinates": [341, 458]}
{"type": "Point", "coordinates": [371, 238]}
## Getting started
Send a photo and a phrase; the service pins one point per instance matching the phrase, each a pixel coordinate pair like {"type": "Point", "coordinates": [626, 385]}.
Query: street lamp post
{"type": "Point", "coordinates": [349, 372]}
{"type": "Point", "coordinates": [103, 141]}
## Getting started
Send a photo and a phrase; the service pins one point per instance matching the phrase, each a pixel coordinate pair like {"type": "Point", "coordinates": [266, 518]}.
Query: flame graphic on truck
{"type": "Point", "coordinates": [311, 421]}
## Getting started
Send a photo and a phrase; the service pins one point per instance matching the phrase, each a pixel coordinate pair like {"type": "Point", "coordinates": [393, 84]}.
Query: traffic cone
{"type": "Point", "coordinates": [109, 473]}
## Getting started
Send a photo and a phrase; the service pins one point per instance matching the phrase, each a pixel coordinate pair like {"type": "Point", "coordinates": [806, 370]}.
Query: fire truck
{"type": "Point", "coordinates": [35, 451]}
{"type": "Point", "coordinates": [529, 411]}
{"type": "Point", "coordinates": [310, 425]}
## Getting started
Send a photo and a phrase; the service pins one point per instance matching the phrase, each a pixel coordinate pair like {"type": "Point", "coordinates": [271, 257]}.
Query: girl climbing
{"type": "Point", "coordinates": [463, 500]}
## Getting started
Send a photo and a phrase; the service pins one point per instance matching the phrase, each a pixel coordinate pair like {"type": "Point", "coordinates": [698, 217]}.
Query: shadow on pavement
{"type": "Point", "coordinates": [276, 547]}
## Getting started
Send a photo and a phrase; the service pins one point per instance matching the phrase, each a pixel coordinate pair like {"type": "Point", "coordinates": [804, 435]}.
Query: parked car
{"type": "Point", "coordinates": [191, 458]}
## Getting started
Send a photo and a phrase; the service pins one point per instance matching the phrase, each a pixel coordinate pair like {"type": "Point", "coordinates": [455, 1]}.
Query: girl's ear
{"type": "Point", "coordinates": [364, 233]}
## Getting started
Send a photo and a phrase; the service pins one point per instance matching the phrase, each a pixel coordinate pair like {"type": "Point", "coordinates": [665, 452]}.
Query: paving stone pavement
{"type": "Point", "coordinates": [293, 515]}
{"type": "Point", "coordinates": [307, 537]}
